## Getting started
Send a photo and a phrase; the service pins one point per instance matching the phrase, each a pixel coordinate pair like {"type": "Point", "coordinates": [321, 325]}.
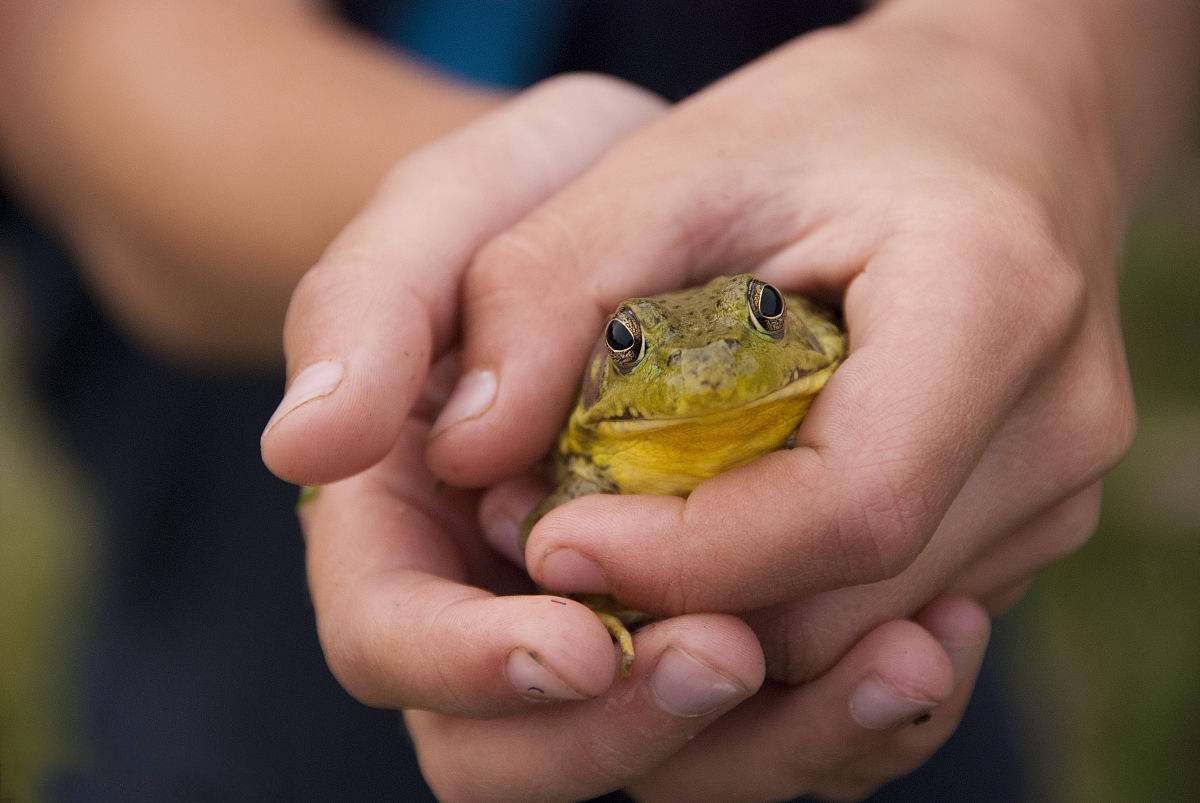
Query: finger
{"type": "Point", "coordinates": [1036, 463]}
{"type": "Point", "coordinates": [1003, 599]}
{"type": "Point", "coordinates": [537, 295]}
{"type": "Point", "coordinates": [789, 741]}
{"type": "Point", "coordinates": [400, 627]}
{"type": "Point", "coordinates": [885, 449]}
{"type": "Point", "coordinates": [504, 508]}
{"type": "Point", "coordinates": [1050, 536]}
{"type": "Point", "coordinates": [439, 382]}
{"type": "Point", "coordinates": [803, 638]}
{"type": "Point", "coordinates": [364, 323]}
{"type": "Point", "coordinates": [688, 197]}
{"type": "Point", "coordinates": [689, 671]}
{"type": "Point", "coordinates": [962, 627]}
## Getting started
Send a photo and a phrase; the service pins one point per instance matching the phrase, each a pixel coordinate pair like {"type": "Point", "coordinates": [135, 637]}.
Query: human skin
{"type": "Point", "coordinates": [163, 144]}
{"type": "Point", "coordinates": [198, 157]}
{"type": "Point", "coordinates": [970, 228]}
{"type": "Point", "coordinates": [398, 567]}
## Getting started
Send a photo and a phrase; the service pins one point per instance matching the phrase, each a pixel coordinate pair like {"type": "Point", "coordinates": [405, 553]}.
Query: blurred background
{"type": "Point", "coordinates": [1108, 660]}
{"type": "Point", "coordinates": [1101, 658]}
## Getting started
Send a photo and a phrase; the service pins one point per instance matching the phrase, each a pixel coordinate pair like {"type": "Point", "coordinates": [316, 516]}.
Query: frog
{"type": "Point", "coordinates": [682, 386]}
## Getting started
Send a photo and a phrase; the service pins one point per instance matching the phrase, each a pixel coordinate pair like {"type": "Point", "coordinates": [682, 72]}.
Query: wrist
{"type": "Point", "coordinates": [1123, 75]}
{"type": "Point", "coordinates": [1029, 107]}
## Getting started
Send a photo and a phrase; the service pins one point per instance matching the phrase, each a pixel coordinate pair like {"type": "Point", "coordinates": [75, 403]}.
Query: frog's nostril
{"type": "Point", "coordinates": [732, 342]}
{"type": "Point", "coordinates": [673, 356]}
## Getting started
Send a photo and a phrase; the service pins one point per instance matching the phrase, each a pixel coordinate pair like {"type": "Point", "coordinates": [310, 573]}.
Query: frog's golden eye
{"type": "Point", "coordinates": [623, 336]}
{"type": "Point", "coordinates": [766, 308]}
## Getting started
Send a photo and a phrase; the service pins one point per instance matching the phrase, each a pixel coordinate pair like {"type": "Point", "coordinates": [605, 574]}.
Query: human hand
{"type": "Point", "coordinates": [969, 230]}
{"type": "Point", "coordinates": [396, 566]}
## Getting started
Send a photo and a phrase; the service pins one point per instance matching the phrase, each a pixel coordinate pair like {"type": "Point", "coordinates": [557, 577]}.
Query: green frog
{"type": "Point", "coordinates": [683, 386]}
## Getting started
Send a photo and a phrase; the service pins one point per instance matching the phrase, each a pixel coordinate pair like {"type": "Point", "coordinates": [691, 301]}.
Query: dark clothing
{"type": "Point", "coordinates": [205, 677]}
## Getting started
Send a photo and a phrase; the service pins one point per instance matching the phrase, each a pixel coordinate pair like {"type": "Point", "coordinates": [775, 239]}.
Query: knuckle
{"type": "Point", "coordinates": [1105, 417]}
{"type": "Point", "coordinates": [319, 299]}
{"type": "Point", "coordinates": [1025, 256]}
{"type": "Point", "coordinates": [881, 528]}
{"type": "Point", "coordinates": [400, 177]}
{"type": "Point", "coordinates": [679, 585]}
{"type": "Point", "coordinates": [1059, 287]}
{"type": "Point", "coordinates": [1115, 424]}
{"type": "Point", "coordinates": [591, 85]}
{"type": "Point", "coordinates": [1080, 519]}
{"type": "Point", "coordinates": [667, 597]}
{"type": "Point", "coordinates": [532, 248]}
{"type": "Point", "coordinates": [303, 306]}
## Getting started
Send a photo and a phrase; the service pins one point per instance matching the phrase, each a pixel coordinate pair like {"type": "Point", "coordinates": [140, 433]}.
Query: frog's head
{"type": "Point", "coordinates": [692, 353]}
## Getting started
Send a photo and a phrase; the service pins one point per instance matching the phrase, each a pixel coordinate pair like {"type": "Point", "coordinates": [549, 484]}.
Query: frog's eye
{"type": "Point", "coordinates": [766, 308]}
{"type": "Point", "coordinates": [623, 336]}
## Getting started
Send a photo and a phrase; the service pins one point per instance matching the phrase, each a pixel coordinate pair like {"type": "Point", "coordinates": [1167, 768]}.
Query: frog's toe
{"type": "Point", "coordinates": [620, 634]}
{"type": "Point", "coordinates": [307, 494]}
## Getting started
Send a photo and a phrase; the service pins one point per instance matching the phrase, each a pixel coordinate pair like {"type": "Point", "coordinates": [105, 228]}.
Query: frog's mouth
{"type": "Point", "coordinates": [802, 383]}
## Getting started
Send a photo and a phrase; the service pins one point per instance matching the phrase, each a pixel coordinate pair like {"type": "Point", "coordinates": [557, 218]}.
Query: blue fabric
{"type": "Point", "coordinates": [506, 43]}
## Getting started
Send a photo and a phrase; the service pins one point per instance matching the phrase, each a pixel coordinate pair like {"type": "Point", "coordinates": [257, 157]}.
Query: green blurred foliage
{"type": "Point", "coordinates": [45, 559]}
{"type": "Point", "coordinates": [1112, 658]}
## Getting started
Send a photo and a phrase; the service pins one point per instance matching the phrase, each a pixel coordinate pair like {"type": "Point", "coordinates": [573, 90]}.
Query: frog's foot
{"type": "Point", "coordinates": [616, 620]}
{"type": "Point", "coordinates": [620, 634]}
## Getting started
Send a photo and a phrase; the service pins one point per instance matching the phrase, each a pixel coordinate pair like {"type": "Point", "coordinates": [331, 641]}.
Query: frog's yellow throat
{"type": "Point", "coordinates": [671, 456]}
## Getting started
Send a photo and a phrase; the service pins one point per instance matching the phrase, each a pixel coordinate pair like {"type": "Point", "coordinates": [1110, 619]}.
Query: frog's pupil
{"type": "Point", "coordinates": [619, 336]}
{"type": "Point", "coordinates": [770, 304]}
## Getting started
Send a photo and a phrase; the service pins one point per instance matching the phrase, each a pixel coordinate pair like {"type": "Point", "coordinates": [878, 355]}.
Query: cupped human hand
{"type": "Point", "coordinates": [878, 714]}
{"type": "Point", "coordinates": [514, 696]}
{"type": "Point", "coordinates": [968, 227]}
{"type": "Point", "coordinates": [480, 675]}
{"type": "Point", "coordinates": [395, 562]}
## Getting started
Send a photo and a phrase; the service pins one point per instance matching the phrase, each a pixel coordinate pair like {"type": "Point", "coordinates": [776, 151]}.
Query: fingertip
{"type": "Point", "coordinates": [504, 509]}
{"type": "Point", "coordinates": [697, 666]}
{"type": "Point", "coordinates": [955, 617]}
{"type": "Point", "coordinates": [318, 438]}
{"type": "Point", "coordinates": [607, 530]}
{"type": "Point", "coordinates": [905, 673]}
{"type": "Point", "coordinates": [490, 430]}
{"type": "Point", "coordinates": [566, 638]}
{"type": "Point", "coordinates": [720, 642]}
{"type": "Point", "coordinates": [962, 627]}
{"type": "Point", "coordinates": [528, 329]}
{"type": "Point", "coordinates": [355, 371]}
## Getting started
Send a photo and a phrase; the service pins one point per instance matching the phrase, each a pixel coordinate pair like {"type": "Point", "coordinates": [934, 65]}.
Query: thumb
{"type": "Point", "coordinates": [536, 297]}
{"type": "Point", "coordinates": [365, 322]}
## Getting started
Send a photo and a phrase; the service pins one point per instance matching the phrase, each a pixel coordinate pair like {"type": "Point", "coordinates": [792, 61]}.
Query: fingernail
{"type": "Point", "coordinates": [877, 706]}
{"type": "Point", "coordinates": [567, 571]}
{"type": "Point", "coordinates": [534, 680]}
{"type": "Point", "coordinates": [685, 687]}
{"type": "Point", "coordinates": [471, 398]}
{"type": "Point", "coordinates": [317, 380]}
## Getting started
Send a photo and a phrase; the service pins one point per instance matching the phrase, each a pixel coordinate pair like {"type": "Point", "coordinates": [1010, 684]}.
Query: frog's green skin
{"type": "Point", "coordinates": [710, 391]}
